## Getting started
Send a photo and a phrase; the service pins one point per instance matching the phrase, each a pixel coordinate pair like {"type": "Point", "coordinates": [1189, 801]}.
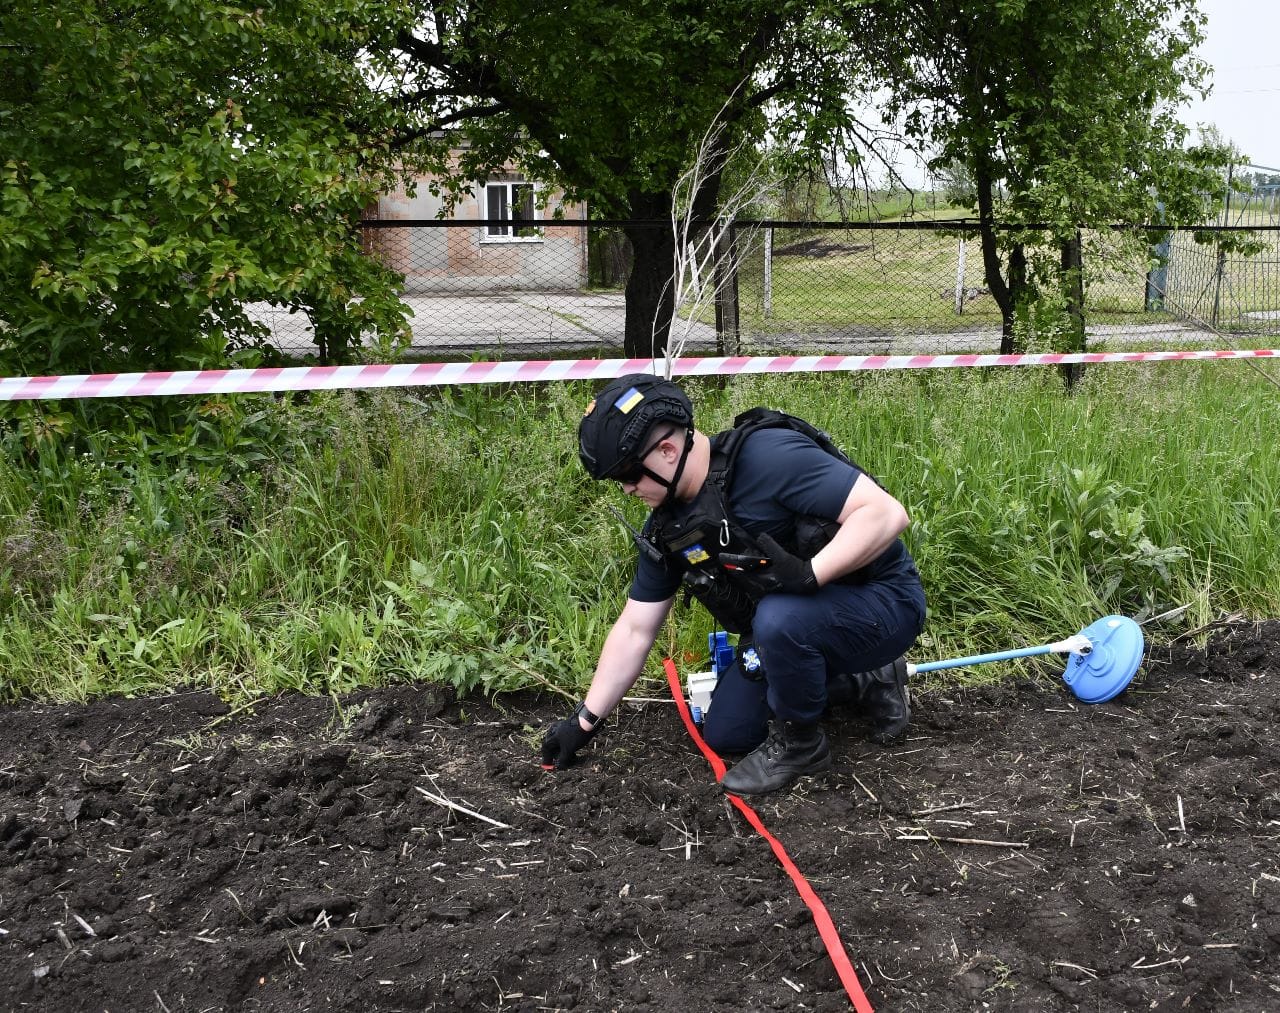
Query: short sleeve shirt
{"type": "Point", "coordinates": [780, 474]}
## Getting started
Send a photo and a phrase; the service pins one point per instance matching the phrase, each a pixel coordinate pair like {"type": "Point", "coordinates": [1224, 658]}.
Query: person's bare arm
{"type": "Point", "coordinates": [624, 652]}
{"type": "Point", "coordinates": [869, 522]}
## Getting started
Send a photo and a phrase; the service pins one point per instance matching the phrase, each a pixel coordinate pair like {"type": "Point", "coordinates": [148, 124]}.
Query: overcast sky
{"type": "Point", "coordinates": [1242, 44]}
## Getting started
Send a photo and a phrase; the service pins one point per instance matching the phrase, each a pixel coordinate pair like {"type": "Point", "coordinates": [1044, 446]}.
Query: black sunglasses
{"type": "Point", "coordinates": [630, 471]}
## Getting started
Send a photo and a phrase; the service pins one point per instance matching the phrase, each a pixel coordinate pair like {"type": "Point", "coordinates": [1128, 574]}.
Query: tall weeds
{"type": "Point", "coordinates": [349, 540]}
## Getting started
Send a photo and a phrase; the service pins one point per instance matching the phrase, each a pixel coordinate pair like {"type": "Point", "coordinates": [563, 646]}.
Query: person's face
{"type": "Point", "coordinates": [660, 459]}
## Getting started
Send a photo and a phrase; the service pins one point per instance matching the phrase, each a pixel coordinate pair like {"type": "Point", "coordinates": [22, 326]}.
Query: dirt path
{"type": "Point", "coordinates": [164, 854]}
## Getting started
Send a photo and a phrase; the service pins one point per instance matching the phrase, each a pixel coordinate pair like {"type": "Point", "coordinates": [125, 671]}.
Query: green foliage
{"type": "Point", "coordinates": [161, 164]}
{"type": "Point", "coordinates": [1104, 526]}
{"type": "Point", "coordinates": [612, 102]}
{"type": "Point", "coordinates": [1070, 107]}
{"type": "Point", "coordinates": [1062, 114]}
{"type": "Point", "coordinates": [452, 537]}
{"type": "Point", "coordinates": [958, 185]}
{"type": "Point", "coordinates": [1041, 320]}
{"type": "Point", "coordinates": [607, 99]}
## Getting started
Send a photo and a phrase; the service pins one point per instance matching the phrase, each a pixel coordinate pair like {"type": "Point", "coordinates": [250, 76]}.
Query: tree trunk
{"type": "Point", "coordinates": [1073, 287]}
{"type": "Point", "coordinates": [1019, 293]}
{"type": "Point", "coordinates": [991, 266]}
{"type": "Point", "coordinates": [650, 292]}
{"type": "Point", "coordinates": [649, 295]}
{"type": "Point", "coordinates": [1007, 294]}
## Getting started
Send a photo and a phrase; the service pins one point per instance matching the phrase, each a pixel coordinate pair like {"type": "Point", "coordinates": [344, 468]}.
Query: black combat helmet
{"type": "Point", "coordinates": [611, 436]}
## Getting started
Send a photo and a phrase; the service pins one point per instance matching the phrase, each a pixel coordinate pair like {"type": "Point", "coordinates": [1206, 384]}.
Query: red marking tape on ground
{"type": "Point", "coordinates": [434, 374]}
{"type": "Point", "coordinates": [826, 928]}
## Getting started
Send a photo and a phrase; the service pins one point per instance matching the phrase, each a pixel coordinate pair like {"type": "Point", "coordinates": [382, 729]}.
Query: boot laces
{"type": "Point", "coordinates": [776, 743]}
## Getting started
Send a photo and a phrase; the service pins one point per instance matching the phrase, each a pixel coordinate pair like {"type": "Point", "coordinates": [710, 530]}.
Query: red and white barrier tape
{"type": "Point", "coordinates": [434, 374]}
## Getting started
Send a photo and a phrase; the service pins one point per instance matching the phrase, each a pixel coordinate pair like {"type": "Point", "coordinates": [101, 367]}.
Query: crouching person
{"type": "Point", "coordinates": [787, 543]}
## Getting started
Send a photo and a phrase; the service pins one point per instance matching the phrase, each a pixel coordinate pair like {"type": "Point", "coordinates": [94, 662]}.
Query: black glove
{"type": "Point", "coordinates": [779, 570]}
{"type": "Point", "coordinates": [563, 740]}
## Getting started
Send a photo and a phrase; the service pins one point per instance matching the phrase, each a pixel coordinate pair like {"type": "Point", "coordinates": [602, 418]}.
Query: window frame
{"type": "Point", "coordinates": [504, 227]}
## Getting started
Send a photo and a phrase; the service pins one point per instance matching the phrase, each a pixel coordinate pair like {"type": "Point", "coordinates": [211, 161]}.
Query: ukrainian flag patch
{"type": "Point", "coordinates": [628, 400]}
{"type": "Point", "coordinates": [696, 554]}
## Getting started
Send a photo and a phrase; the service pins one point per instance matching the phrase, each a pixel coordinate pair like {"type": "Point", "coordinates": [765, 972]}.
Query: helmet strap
{"type": "Point", "coordinates": [675, 479]}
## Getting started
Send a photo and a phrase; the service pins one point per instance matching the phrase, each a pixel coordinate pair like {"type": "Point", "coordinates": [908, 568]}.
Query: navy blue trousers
{"type": "Point", "coordinates": [804, 640]}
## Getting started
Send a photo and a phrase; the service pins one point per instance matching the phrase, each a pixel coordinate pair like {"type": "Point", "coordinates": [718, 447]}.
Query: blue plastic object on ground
{"type": "Point", "coordinates": [1112, 653]}
{"type": "Point", "coordinates": [722, 653]}
{"type": "Point", "coordinates": [981, 659]}
{"type": "Point", "coordinates": [1106, 670]}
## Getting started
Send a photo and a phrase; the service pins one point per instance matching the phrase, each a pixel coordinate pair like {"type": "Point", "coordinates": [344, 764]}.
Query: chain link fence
{"type": "Point", "coordinates": [1213, 281]}
{"type": "Point", "coordinates": [482, 288]}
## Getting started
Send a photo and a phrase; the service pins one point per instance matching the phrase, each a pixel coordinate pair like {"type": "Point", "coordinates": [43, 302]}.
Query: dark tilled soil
{"type": "Point", "coordinates": [1021, 851]}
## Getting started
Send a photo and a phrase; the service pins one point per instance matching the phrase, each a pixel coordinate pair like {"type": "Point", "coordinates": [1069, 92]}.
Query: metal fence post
{"type": "Point", "coordinates": [726, 288]}
{"type": "Point", "coordinates": [768, 273]}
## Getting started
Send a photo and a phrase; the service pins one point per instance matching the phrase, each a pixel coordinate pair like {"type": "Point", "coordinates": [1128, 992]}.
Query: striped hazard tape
{"type": "Point", "coordinates": [435, 374]}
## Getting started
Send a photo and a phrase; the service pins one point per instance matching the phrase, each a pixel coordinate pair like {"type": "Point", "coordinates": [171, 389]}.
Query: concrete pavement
{"type": "Point", "coordinates": [536, 324]}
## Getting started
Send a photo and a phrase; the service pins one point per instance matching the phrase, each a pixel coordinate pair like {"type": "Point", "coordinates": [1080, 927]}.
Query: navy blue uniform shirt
{"type": "Point", "coordinates": [780, 473]}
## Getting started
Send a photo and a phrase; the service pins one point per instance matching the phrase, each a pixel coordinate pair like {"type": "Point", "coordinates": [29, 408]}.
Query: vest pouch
{"type": "Point", "coordinates": [695, 543]}
{"type": "Point", "coordinates": [812, 534]}
{"type": "Point", "coordinates": [729, 605]}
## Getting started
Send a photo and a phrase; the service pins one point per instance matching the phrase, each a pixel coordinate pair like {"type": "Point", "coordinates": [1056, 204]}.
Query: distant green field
{"type": "Point", "coordinates": [883, 279]}
{"type": "Point", "coordinates": [901, 281]}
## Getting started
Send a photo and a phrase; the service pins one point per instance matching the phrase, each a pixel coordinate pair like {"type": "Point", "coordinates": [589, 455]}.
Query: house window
{"type": "Point", "coordinates": [510, 208]}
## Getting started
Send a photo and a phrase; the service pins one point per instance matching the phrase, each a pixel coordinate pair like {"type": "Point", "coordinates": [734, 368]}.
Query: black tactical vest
{"type": "Point", "coordinates": [706, 527]}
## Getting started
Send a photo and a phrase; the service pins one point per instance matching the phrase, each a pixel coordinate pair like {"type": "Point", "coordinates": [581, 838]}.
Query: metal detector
{"type": "Point", "coordinates": [1104, 658]}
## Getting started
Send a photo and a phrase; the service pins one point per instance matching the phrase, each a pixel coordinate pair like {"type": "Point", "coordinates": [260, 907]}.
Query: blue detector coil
{"type": "Point", "coordinates": [1106, 670]}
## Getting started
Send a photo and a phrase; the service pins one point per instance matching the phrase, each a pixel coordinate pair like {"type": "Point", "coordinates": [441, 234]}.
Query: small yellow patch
{"type": "Point", "coordinates": [696, 554]}
{"type": "Point", "coordinates": [628, 401]}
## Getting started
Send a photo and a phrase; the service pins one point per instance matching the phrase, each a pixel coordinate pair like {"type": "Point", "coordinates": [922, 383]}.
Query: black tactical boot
{"type": "Point", "coordinates": [843, 691]}
{"type": "Point", "coordinates": [883, 698]}
{"type": "Point", "coordinates": [791, 751]}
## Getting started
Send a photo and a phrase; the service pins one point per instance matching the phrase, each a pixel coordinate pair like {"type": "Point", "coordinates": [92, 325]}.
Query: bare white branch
{"type": "Point", "coordinates": [440, 800]}
{"type": "Point", "coordinates": [705, 259]}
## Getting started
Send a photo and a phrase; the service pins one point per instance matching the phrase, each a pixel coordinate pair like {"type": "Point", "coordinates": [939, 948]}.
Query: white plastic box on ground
{"type": "Point", "coordinates": [700, 685]}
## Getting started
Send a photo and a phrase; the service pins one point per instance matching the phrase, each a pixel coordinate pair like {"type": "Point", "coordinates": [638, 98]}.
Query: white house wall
{"type": "Point", "coordinates": [437, 259]}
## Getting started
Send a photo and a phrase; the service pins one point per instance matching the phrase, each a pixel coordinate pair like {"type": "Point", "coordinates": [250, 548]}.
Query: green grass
{"type": "Point", "coordinates": [451, 535]}
{"type": "Point", "coordinates": [889, 281]}
{"type": "Point", "coordinates": [884, 280]}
